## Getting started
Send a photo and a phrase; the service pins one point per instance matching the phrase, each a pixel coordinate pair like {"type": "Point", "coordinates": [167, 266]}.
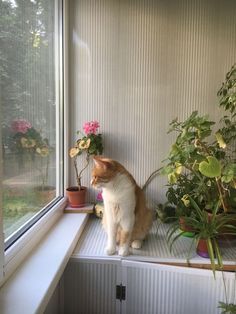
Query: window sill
{"type": "Point", "coordinates": [31, 286]}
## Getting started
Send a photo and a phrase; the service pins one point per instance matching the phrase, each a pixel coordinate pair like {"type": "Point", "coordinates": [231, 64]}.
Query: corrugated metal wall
{"type": "Point", "coordinates": [136, 65]}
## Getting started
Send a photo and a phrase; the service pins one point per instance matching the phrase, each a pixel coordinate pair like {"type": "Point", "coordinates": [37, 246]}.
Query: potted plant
{"type": "Point", "coordinates": [201, 170]}
{"type": "Point", "coordinates": [207, 230]}
{"type": "Point", "coordinates": [207, 167]}
{"type": "Point", "coordinates": [87, 144]}
{"type": "Point", "coordinates": [227, 308]}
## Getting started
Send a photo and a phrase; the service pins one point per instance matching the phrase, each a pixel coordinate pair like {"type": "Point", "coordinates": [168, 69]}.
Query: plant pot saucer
{"type": "Point", "coordinates": [77, 206]}
{"type": "Point", "coordinates": [187, 234]}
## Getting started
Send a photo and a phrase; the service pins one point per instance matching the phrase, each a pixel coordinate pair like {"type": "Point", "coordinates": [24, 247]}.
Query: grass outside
{"type": "Point", "coordinates": [21, 204]}
{"type": "Point", "coordinates": [21, 201]}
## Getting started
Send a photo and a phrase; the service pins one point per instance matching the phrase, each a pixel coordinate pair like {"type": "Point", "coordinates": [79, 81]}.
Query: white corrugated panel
{"type": "Point", "coordinates": [158, 289]}
{"type": "Point", "coordinates": [136, 65]}
{"type": "Point", "coordinates": [90, 287]}
{"type": "Point", "coordinates": [93, 241]}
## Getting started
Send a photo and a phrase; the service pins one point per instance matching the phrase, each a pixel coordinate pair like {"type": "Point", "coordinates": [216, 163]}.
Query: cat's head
{"type": "Point", "coordinates": [104, 171]}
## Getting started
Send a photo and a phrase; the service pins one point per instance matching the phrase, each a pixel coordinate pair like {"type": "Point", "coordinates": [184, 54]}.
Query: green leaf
{"type": "Point", "coordinates": [229, 173]}
{"type": "Point", "coordinates": [210, 168]}
{"type": "Point", "coordinates": [211, 255]}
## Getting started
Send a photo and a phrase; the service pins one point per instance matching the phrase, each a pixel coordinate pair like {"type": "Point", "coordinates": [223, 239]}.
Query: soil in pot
{"type": "Point", "coordinates": [76, 197]}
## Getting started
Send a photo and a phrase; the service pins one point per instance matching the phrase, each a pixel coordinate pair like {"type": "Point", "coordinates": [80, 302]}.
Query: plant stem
{"type": "Point", "coordinates": [78, 174]}
{"type": "Point", "coordinates": [222, 199]}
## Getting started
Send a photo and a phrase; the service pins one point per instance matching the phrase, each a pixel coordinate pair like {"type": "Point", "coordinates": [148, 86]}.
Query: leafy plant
{"type": "Point", "coordinates": [199, 160]}
{"type": "Point", "coordinates": [207, 228]}
{"type": "Point", "coordinates": [227, 98]}
{"type": "Point", "coordinates": [227, 308]}
{"type": "Point", "coordinates": [204, 158]}
{"type": "Point", "coordinates": [166, 213]}
{"type": "Point", "coordinates": [89, 144]}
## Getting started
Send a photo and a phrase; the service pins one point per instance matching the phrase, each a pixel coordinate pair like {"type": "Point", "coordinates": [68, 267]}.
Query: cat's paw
{"type": "Point", "coordinates": [123, 251]}
{"type": "Point", "coordinates": [136, 244]}
{"type": "Point", "coordinates": [110, 250]}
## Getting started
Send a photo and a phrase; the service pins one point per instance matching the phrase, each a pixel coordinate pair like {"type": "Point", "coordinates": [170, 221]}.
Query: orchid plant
{"type": "Point", "coordinates": [88, 144]}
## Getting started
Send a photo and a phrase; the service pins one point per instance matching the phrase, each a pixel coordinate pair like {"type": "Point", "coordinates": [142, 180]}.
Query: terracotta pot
{"type": "Point", "coordinates": [224, 239]}
{"type": "Point", "coordinates": [76, 197]}
{"type": "Point", "coordinates": [184, 226]}
{"type": "Point", "coordinates": [202, 248]}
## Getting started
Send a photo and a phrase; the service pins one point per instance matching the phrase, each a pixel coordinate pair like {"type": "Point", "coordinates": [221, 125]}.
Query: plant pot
{"type": "Point", "coordinates": [188, 231]}
{"type": "Point", "coordinates": [225, 240]}
{"type": "Point", "coordinates": [75, 196]}
{"type": "Point", "coordinates": [202, 248]}
{"type": "Point", "coordinates": [44, 194]}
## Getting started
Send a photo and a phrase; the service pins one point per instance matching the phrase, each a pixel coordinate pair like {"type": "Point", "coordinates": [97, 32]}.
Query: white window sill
{"type": "Point", "coordinates": [31, 286]}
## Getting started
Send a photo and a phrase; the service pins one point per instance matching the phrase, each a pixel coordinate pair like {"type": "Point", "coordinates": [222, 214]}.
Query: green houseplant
{"type": "Point", "coordinates": [88, 144]}
{"type": "Point", "coordinates": [203, 158]}
{"type": "Point", "coordinates": [207, 229]}
{"type": "Point", "coordinates": [201, 170]}
{"type": "Point", "coordinates": [227, 308]}
{"type": "Point", "coordinates": [207, 165]}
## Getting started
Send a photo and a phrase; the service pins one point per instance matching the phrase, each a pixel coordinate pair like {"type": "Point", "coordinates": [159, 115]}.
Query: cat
{"type": "Point", "coordinates": [126, 218]}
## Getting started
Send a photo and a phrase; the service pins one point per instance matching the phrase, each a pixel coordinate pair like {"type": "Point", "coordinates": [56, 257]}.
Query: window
{"type": "Point", "coordinates": [30, 112]}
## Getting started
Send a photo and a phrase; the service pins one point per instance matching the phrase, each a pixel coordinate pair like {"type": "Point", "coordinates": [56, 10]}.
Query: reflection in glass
{"type": "Point", "coordinates": [28, 109]}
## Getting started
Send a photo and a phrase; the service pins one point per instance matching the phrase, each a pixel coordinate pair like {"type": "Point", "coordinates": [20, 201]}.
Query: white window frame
{"type": "Point", "coordinates": [1, 218]}
{"type": "Point", "coordinates": [17, 252]}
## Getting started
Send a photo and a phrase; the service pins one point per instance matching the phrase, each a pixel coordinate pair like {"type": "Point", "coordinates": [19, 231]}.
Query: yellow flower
{"type": "Point", "coordinates": [27, 143]}
{"type": "Point", "coordinates": [172, 178]}
{"type": "Point", "coordinates": [220, 140]}
{"type": "Point", "coordinates": [178, 168]}
{"type": "Point", "coordinates": [185, 200]}
{"type": "Point", "coordinates": [84, 144]}
{"type": "Point", "coordinates": [74, 152]}
{"type": "Point", "coordinates": [44, 151]}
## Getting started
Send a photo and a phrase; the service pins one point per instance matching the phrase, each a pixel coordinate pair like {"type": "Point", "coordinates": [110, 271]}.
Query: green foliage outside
{"type": "Point", "coordinates": [27, 84]}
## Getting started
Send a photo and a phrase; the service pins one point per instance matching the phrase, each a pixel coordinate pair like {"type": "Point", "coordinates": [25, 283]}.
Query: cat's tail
{"type": "Point", "coordinates": [151, 177]}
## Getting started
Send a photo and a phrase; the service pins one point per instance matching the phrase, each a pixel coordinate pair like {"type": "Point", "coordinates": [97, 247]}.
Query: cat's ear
{"type": "Point", "coordinates": [101, 163]}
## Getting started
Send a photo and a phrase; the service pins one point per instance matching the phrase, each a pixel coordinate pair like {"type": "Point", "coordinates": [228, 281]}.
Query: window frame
{"type": "Point", "coordinates": [41, 223]}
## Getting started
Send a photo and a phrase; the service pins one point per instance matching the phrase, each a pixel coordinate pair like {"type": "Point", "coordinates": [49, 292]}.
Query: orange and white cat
{"type": "Point", "coordinates": [126, 218]}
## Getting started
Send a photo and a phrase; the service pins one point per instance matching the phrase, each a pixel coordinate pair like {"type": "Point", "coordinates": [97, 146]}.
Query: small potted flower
{"type": "Point", "coordinates": [88, 144]}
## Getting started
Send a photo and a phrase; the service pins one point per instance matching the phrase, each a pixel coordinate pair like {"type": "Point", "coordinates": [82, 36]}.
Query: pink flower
{"type": "Point", "coordinates": [99, 197]}
{"type": "Point", "coordinates": [91, 127]}
{"type": "Point", "coordinates": [20, 126]}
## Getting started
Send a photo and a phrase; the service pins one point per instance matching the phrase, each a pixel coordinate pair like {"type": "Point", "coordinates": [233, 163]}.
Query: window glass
{"type": "Point", "coordinates": [28, 110]}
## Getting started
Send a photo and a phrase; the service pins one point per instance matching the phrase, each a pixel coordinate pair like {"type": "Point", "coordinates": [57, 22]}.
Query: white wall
{"type": "Point", "coordinates": [137, 64]}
